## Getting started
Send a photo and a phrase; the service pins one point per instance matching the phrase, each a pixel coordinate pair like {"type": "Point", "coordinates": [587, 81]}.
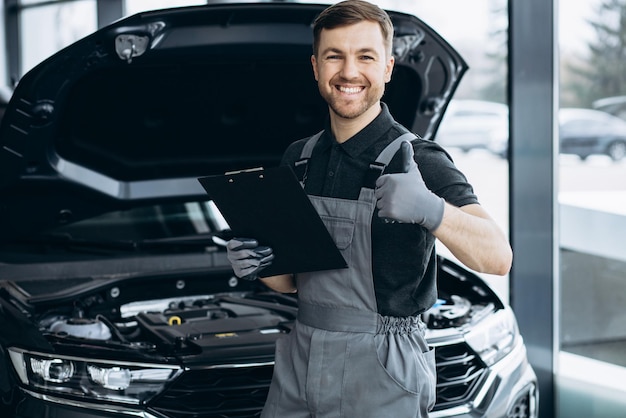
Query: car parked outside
{"type": "Point", "coordinates": [116, 295]}
{"type": "Point", "coordinates": [585, 132]}
{"type": "Point", "coordinates": [474, 124]}
{"type": "Point", "coordinates": [615, 105]}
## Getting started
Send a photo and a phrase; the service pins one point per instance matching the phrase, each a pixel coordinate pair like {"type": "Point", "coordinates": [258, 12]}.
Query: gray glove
{"type": "Point", "coordinates": [404, 197]}
{"type": "Point", "coordinates": [248, 258]}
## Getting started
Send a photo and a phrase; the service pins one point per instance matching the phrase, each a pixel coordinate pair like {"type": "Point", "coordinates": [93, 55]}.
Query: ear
{"type": "Point", "coordinates": [389, 68]}
{"type": "Point", "coordinates": [314, 64]}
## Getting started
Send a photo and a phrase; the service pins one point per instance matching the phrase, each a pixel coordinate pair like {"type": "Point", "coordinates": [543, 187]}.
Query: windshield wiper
{"type": "Point", "coordinates": [76, 244]}
{"type": "Point", "coordinates": [205, 238]}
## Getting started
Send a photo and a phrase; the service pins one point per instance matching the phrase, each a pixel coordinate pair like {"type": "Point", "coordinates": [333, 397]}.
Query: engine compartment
{"type": "Point", "coordinates": [185, 315]}
{"type": "Point", "coordinates": [174, 325]}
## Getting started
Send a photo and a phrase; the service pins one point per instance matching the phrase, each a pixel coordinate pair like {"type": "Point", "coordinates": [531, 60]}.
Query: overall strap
{"type": "Point", "coordinates": [387, 154]}
{"type": "Point", "coordinates": [384, 158]}
{"type": "Point", "coordinates": [300, 167]}
{"type": "Point", "coordinates": [376, 168]}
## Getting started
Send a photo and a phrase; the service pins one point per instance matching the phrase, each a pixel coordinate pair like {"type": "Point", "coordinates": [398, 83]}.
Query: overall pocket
{"type": "Point", "coordinates": [407, 358]}
{"type": "Point", "coordinates": [342, 231]}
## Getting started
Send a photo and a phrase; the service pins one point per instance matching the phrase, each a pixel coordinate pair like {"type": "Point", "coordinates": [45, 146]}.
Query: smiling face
{"type": "Point", "coordinates": [351, 67]}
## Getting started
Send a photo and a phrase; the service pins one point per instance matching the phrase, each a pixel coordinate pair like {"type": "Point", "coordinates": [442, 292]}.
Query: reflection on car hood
{"type": "Point", "coordinates": [135, 112]}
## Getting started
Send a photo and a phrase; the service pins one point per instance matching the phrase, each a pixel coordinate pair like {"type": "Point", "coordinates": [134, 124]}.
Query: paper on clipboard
{"type": "Point", "coordinates": [270, 206]}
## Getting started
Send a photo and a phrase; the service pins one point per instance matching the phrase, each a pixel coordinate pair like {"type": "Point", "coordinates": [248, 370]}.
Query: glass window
{"type": "Point", "coordinates": [477, 141]}
{"type": "Point", "coordinates": [135, 6]}
{"type": "Point", "coordinates": [46, 29]}
{"type": "Point", "coordinates": [592, 198]}
{"type": "Point", "coordinates": [3, 51]}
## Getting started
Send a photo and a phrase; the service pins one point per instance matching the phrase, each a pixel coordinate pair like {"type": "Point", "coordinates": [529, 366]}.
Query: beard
{"type": "Point", "coordinates": [351, 108]}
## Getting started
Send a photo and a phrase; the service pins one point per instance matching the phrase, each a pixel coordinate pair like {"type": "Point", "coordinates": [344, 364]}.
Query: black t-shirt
{"type": "Point", "coordinates": [403, 256]}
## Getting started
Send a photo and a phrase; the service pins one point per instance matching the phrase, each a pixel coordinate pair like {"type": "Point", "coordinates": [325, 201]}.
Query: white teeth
{"type": "Point", "coordinates": [350, 90]}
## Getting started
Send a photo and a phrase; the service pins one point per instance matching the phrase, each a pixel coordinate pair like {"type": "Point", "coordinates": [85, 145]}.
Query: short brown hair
{"type": "Point", "coordinates": [350, 12]}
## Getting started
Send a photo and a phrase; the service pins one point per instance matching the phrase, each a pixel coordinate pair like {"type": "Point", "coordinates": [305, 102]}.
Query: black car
{"type": "Point", "coordinates": [116, 296]}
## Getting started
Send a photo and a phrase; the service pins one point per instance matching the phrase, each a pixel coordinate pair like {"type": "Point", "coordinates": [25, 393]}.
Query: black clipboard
{"type": "Point", "coordinates": [271, 206]}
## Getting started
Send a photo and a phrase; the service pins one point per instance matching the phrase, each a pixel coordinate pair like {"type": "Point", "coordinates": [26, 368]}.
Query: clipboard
{"type": "Point", "coordinates": [271, 206]}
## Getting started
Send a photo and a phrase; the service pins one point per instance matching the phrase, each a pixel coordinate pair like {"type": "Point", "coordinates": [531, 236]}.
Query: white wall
{"type": "Point", "coordinates": [3, 49]}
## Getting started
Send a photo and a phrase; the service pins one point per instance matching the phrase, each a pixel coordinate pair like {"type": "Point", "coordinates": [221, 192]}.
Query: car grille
{"type": "Point", "coordinates": [238, 392]}
{"type": "Point", "coordinates": [234, 392]}
{"type": "Point", "coordinates": [459, 373]}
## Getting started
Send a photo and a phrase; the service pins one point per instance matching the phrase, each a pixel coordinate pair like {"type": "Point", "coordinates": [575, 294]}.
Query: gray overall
{"type": "Point", "coordinates": [343, 359]}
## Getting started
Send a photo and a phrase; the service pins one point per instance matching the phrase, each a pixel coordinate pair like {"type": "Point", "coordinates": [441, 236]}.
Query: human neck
{"type": "Point", "coordinates": [344, 129]}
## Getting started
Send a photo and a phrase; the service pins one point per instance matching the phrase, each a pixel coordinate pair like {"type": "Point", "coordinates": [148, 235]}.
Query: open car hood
{"type": "Point", "coordinates": [135, 112]}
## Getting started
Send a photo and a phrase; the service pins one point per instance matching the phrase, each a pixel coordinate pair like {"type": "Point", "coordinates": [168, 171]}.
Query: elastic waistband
{"type": "Point", "coordinates": [355, 320]}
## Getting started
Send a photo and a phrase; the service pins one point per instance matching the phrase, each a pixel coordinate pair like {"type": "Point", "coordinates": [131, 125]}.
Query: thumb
{"type": "Point", "coordinates": [407, 156]}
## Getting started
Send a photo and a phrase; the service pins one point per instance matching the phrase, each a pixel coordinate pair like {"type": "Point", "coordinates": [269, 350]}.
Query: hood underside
{"type": "Point", "coordinates": [135, 112]}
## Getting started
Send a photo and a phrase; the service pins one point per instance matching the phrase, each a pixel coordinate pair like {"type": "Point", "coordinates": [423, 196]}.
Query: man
{"type": "Point", "coordinates": [358, 347]}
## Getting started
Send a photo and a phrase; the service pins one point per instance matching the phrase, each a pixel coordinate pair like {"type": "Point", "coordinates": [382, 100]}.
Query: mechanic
{"type": "Point", "coordinates": [358, 348]}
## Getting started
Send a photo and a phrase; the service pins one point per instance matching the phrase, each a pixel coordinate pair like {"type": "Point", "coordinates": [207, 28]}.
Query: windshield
{"type": "Point", "coordinates": [171, 227]}
{"type": "Point", "coordinates": [148, 223]}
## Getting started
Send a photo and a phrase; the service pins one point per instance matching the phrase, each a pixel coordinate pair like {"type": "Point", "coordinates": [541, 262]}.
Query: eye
{"type": "Point", "coordinates": [367, 58]}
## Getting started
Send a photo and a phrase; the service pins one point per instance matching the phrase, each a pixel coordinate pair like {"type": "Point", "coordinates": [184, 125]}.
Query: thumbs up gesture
{"type": "Point", "coordinates": [404, 197]}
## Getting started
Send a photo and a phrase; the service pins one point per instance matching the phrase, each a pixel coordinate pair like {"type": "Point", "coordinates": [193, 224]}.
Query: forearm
{"type": "Point", "coordinates": [475, 239]}
{"type": "Point", "coordinates": [283, 283]}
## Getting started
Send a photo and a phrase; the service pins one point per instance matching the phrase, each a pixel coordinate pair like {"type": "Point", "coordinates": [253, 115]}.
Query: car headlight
{"type": "Point", "coordinates": [87, 379]}
{"type": "Point", "coordinates": [494, 337]}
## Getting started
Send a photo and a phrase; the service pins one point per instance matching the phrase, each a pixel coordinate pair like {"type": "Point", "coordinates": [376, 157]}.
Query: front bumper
{"type": "Point", "coordinates": [37, 405]}
{"type": "Point", "coordinates": [508, 391]}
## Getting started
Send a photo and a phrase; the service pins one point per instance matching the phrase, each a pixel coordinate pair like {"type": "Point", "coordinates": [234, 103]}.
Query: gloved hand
{"type": "Point", "coordinates": [404, 197]}
{"type": "Point", "coordinates": [247, 257]}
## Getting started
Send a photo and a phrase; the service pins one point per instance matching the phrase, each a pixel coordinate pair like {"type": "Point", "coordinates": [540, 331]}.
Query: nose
{"type": "Point", "coordinates": [350, 69]}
